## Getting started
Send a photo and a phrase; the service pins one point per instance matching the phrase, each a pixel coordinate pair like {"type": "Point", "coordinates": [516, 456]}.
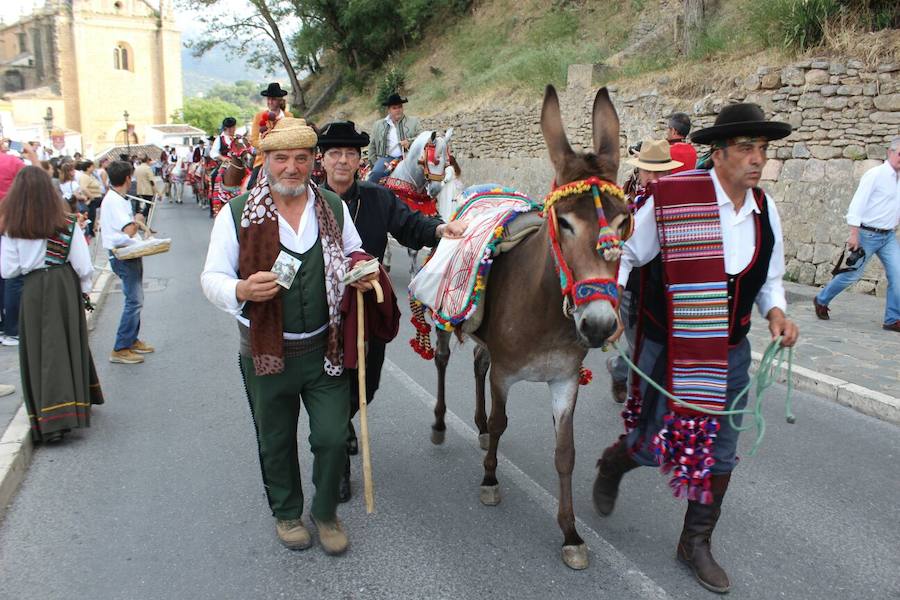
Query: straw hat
{"type": "Point", "coordinates": [655, 155]}
{"type": "Point", "coordinates": [289, 134]}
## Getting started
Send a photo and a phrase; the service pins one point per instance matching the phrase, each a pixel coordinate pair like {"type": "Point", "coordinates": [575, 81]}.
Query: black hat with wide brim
{"type": "Point", "coordinates": [394, 99]}
{"type": "Point", "coordinates": [274, 91]}
{"type": "Point", "coordinates": [342, 134]}
{"type": "Point", "coordinates": [736, 120]}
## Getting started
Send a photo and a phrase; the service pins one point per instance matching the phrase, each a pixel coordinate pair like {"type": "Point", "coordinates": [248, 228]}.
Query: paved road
{"type": "Point", "coordinates": [162, 498]}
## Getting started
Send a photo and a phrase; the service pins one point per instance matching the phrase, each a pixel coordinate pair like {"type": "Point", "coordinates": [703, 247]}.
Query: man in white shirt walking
{"type": "Point", "coordinates": [873, 216]}
{"type": "Point", "coordinates": [711, 247]}
{"type": "Point", "coordinates": [118, 226]}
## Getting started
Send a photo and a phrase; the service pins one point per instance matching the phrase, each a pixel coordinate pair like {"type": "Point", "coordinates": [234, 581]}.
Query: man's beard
{"type": "Point", "coordinates": [282, 188]}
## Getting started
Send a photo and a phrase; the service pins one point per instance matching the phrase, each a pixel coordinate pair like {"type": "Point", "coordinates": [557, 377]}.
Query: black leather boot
{"type": "Point", "coordinates": [344, 489]}
{"type": "Point", "coordinates": [694, 546]}
{"type": "Point", "coordinates": [614, 463]}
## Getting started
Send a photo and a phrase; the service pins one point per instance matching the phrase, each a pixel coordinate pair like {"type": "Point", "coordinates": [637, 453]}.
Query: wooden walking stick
{"type": "Point", "coordinates": [361, 375]}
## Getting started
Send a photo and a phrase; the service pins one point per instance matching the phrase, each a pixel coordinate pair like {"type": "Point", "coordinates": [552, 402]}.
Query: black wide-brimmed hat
{"type": "Point", "coordinates": [745, 119]}
{"type": "Point", "coordinates": [228, 122]}
{"type": "Point", "coordinates": [274, 91]}
{"type": "Point", "coordinates": [394, 99]}
{"type": "Point", "coordinates": [342, 134]}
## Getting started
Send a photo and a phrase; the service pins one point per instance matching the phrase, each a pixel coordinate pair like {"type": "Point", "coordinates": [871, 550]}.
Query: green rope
{"type": "Point", "coordinates": [770, 369]}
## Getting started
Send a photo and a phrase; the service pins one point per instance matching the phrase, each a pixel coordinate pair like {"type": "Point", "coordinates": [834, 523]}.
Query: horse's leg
{"type": "Point", "coordinates": [490, 488]}
{"type": "Point", "coordinates": [441, 358]}
{"type": "Point", "coordinates": [565, 394]}
{"type": "Point", "coordinates": [413, 261]}
{"type": "Point", "coordinates": [482, 364]}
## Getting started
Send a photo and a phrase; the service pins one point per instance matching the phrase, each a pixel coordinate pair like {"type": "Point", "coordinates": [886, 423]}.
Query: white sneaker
{"type": "Point", "coordinates": [9, 340]}
{"type": "Point", "coordinates": [6, 389]}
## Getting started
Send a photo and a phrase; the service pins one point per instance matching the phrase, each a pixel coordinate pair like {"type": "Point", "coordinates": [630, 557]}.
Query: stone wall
{"type": "Point", "coordinates": [844, 116]}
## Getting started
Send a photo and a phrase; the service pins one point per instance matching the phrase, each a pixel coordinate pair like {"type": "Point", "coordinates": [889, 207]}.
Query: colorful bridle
{"type": "Point", "coordinates": [430, 157]}
{"type": "Point", "coordinates": [609, 245]}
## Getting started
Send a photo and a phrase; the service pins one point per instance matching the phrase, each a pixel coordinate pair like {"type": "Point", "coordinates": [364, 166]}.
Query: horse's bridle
{"type": "Point", "coordinates": [609, 245]}
{"type": "Point", "coordinates": [429, 156]}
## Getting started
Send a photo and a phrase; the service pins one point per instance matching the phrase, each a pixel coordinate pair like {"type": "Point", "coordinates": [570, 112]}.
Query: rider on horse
{"type": "Point", "coordinates": [391, 136]}
{"type": "Point", "coordinates": [265, 120]}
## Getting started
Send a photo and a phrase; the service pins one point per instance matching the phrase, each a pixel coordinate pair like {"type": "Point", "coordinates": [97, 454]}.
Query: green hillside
{"type": "Point", "coordinates": [503, 52]}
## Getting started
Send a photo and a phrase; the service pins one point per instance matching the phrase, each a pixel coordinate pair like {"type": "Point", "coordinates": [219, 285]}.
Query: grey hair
{"type": "Point", "coordinates": [895, 144]}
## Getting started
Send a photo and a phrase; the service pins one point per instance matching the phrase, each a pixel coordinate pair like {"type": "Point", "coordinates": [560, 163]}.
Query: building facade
{"type": "Point", "coordinates": [90, 62]}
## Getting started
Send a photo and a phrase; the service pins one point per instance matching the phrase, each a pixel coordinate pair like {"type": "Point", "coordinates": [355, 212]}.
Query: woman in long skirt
{"type": "Point", "coordinates": [46, 246]}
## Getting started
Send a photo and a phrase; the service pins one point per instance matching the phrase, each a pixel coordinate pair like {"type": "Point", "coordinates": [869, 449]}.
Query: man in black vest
{"type": "Point", "coordinates": [376, 212]}
{"type": "Point", "coordinates": [744, 255]}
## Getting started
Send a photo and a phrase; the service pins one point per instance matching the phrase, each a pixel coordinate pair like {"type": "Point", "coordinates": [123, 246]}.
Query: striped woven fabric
{"type": "Point", "coordinates": [58, 245]}
{"type": "Point", "coordinates": [699, 310]}
{"type": "Point", "coordinates": [692, 231]}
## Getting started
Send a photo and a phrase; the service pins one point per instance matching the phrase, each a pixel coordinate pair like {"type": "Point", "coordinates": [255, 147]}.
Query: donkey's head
{"type": "Point", "coordinates": [588, 217]}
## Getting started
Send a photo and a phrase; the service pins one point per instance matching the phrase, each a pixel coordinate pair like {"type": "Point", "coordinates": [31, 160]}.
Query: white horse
{"type": "Point", "coordinates": [419, 178]}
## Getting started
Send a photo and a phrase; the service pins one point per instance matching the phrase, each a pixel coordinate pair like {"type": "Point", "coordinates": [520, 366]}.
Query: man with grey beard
{"type": "Point", "coordinates": [290, 338]}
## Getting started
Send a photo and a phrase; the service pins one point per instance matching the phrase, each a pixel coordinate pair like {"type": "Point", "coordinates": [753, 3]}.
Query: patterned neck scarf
{"type": "Point", "coordinates": [260, 244]}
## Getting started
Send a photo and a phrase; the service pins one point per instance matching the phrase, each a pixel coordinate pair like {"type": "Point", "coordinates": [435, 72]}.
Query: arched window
{"type": "Point", "coordinates": [122, 58]}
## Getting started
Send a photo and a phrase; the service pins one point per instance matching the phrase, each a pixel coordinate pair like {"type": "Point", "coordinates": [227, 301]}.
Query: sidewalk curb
{"type": "Point", "coordinates": [16, 447]}
{"type": "Point", "coordinates": [861, 399]}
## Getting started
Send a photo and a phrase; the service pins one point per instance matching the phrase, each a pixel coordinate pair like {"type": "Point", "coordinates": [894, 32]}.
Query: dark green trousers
{"type": "Point", "coordinates": [275, 406]}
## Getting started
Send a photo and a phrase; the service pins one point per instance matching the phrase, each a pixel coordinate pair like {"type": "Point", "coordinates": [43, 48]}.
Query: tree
{"type": "Point", "coordinates": [254, 35]}
{"type": "Point", "coordinates": [208, 113]}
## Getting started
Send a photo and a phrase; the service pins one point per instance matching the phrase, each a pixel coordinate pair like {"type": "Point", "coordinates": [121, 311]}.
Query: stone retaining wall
{"type": "Point", "coordinates": [844, 116]}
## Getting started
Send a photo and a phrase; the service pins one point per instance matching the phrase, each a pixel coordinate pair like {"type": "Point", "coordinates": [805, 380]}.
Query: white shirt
{"type": "Point", "coordinates": [219, 278]}
{"type": "Point", "coordinates": [21, 257]}
{"type": "Point", "coordinates": [69, 188]}
{"type": "Point", "coordinates": [115, 215]}
{"type": "Point", "coordinates": [216, 150]}
{"type": "Point", "coordinates": [876, 202]}
{"type": "Point", "coordinates": [738, 241]}
{"type": "Point", "coordinates": [394, 150]}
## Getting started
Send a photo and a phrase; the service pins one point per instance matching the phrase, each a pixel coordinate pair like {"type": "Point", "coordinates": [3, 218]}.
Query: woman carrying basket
{"type": "Point", "coordinates": [46, 246]}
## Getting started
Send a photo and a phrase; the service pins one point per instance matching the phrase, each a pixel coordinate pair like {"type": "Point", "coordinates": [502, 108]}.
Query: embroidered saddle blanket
{"type": "Point", "coordinates": [452, 283]}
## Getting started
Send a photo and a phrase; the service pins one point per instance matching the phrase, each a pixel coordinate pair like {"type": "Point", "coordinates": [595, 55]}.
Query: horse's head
{"type": "Point", "coordinates": [587, 217]}
{"type": "Point", "coordinates": [241, 153]}
{"type": "Point", "coordinates": [428, 157]}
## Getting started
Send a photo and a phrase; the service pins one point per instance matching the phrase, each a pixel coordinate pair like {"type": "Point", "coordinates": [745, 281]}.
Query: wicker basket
{"type": "Point", "coordinates": [144, 248]}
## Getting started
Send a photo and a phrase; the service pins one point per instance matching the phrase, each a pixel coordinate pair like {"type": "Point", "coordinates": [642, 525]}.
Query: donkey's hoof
{"type": "Point", "coordinates": [437, 437]}
{"type": "Point", "coordinates": [484, 440]}
{"type": "Point", "coordinates": [490, 495]}
{"type": "Point", "coordinates": [575, 557]}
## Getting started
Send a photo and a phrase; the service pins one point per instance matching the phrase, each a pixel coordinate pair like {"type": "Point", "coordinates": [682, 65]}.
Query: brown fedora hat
{"type": "Point", "coordinates": [655, 155]}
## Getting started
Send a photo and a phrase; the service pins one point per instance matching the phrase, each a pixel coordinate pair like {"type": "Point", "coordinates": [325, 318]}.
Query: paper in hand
{"type": "Point", "coordinates": [361, 270]}
{"type": "Point", "coordinates": [286, 268]}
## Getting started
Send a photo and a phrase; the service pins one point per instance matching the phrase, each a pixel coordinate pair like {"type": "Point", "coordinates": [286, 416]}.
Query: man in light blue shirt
{"type": "Point", "coordinates": [873, 216]}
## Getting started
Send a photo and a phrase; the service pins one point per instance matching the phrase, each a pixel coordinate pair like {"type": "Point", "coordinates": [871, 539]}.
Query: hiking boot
{"type": "Point", "coordinates": [293, 534]}
{"type": "Point", "coordinates": [694, 548]}
{"type": "Point", "coordinates": [141, 347]}
{"type": "Point", "coordinates": [821, 310]}
{"type": "Point", "coordinates": [125, 357]}
{"type": "Point", "coordinates": [332, 536]}
{"type": "Point", "coordinates": [614, 463]}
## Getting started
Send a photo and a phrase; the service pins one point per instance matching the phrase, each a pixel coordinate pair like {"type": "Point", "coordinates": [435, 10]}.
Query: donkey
{"type": "Point", "coordinates": [422, 173]}
{"type": "Point", "coordinates": [530, 331]}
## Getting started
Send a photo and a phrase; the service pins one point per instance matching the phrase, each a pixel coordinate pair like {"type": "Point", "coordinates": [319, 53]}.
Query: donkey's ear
{"type": "Point", "coordinates": [606, 127]}
{"type": "Point", "coordinates": [553, 130]}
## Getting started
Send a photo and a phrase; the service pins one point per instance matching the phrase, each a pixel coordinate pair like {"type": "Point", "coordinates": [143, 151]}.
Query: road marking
{"type": "Point", "coordinates": [645, 586]}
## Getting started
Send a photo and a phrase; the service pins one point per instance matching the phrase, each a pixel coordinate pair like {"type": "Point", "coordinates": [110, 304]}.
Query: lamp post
{"type": "Point", "coordinates": [48, 122]}
{"type": "Point", "coordinates": [127, 134]}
